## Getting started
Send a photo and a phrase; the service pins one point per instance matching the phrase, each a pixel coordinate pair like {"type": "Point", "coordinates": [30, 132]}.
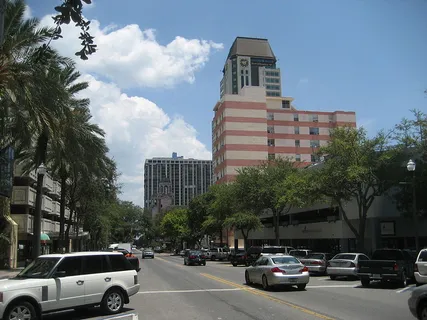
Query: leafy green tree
{"type": "Point", "coordinates": [245, 222]}
{"type": "Point", "coordinates": [174, 225]}
{"type": "Point", "coordinates": [198, 213]}
{"type": "Point", "coordinates": [355, 169]}
{"type": "Point", "coordinates": [261, 187]}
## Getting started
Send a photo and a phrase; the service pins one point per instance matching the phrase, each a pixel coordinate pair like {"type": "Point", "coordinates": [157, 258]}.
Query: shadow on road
{"type": "Point", "coordinates": [91, 313]}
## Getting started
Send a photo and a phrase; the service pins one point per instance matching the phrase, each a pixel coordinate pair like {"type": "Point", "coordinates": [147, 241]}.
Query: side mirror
{"type": "Point", "coordinates": [59, 274]}
{"type": "Point", "coordinates": [137, 270]}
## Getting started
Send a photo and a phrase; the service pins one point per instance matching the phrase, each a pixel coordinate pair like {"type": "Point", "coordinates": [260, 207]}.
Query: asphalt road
{"type": "Point", "coordinates": [171, 290]}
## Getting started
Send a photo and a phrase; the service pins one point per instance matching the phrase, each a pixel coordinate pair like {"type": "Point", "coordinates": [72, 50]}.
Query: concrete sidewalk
{"type": "Point", "coordinates": [6, 274]}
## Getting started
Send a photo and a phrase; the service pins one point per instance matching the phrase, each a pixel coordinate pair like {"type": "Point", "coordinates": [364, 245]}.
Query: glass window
{"type": "Point", "coordinates": [39, 268]}
{"type": "Point", "coordinates": [270, 142]}
{"type": "Point", "coordinates": [297, 143]}
{"type": "Point", "coordinates": [286, 104]}
{"type": "Point", "coordinates": [270, 129]}
{"type": "Point", "coordinates": [298, 157]}
{"type": "Point", "coordinates": [314, 131]}
{"type": "Point", "coordinates": [296, 130]}
{"type": "Point", "coordinates": [423, 256]}
{"type": "Point", "coordinates": [296, 117]}
{"type": "Point", "coordinates": [314, 143]}
{"type": "Point", "coordinates": [314, 118]}
{"type": "Point", "coordinates": [285, 260]}
{"type": "Point", "coordinates": [331, 118]}
{"type": "Point", "coordinates": [71, 265]}
{"type": "Point", "coordinates": [119, 263]}
{"type": "Point", "coordinates": [95, 264]}
{"type": "Point", "coordinates": [345, 256]}
{"type": "Point", "coordinates": [270, 116]}
{"type": "Point", "coordinates": [319, 256]}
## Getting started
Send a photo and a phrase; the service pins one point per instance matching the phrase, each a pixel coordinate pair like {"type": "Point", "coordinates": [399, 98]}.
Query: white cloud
{"type": "Point", "coordinates": [27, 13]}
{"type": "Point", "coordinates": [132, 57]}
{"type": "Point", "coordinates": [136, 128]}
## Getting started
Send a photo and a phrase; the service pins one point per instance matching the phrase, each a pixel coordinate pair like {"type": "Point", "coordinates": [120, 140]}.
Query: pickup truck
{"type": "Point", "coordinates": [387, 265]}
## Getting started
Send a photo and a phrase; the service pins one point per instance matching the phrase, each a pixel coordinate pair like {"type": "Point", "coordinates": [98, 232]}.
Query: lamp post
{"type": "Point", "coordinates": [411, 168]}
{"type": "Point", "coordinates": [37, 222]}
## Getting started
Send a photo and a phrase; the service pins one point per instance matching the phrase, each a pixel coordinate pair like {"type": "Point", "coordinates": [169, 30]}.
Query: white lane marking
{"type": "Point", "coordinates": [411, 287]}
{"type": "Point", "coordinates": [334, 286]}
{"type": "Point", "coordinates": [189, 291]}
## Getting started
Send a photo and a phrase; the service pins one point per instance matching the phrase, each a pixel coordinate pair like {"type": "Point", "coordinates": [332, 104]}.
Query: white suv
{"type": "Point", "coordinates": [69, 281]}
{"type": "Point", "coordinates": [420, 271]}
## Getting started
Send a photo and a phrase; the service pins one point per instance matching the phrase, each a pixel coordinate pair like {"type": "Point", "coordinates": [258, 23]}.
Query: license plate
{"type": "Point", "coordinates": [376, 276]}
{"type": "Point", "coordinates": [293, 279]}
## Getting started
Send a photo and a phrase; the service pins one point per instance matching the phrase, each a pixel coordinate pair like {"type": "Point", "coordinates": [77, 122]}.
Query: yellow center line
{"type": "Point", "coordinates": [175, 264]}
{"type": "Point", "coordinates": [267, 296]}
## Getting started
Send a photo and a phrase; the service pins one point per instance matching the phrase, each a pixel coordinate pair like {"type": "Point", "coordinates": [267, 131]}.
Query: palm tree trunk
{"type": "Point", "coordinates": [61, 243]}
{"type": "Point", "coordinates": [67, 232]}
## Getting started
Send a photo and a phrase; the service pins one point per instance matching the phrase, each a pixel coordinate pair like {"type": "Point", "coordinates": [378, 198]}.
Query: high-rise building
{"type": "Point", "coordinates": [174, 181]}
{"type": "Point", "coordinates": [251, 124]}
{"type": "Point", "coordinates": [251, 62]}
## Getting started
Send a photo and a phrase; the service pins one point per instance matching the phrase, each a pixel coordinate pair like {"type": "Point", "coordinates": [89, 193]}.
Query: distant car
{"type": "Point", "coordinates": [417, 302]}
{"type": "Point", "coordinates": [278, 270]}
{"type": "Point", "coordinates": [195, 257]}
{"type": "Point", "coordinates": [316, 262]}
{"type": "Point", "coordinates": [148, 253]}
{"type": "Point", "coordinates": [300, 253]}
{"type": "Point", "coordinates": [130, 256]}
{"type": "Point", "coordinates": [344, 265]}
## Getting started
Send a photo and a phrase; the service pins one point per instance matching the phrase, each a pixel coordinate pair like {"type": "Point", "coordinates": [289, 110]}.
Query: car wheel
{"type": "Point", "coordinates": [301, 286]}
{"type": "Point", "coordinates": [365, 282]}
{"type": "Point", "coordinates": [113, 302]}
{"type": "Point", "coordinates": [422, 311]}
{"type": "Point", "coordinates": [21, 310]}
{"type": "Point", "coordinates": [213, 258]}
{"type": "Point", "coordinates": [185, 263]}
{"type": "Point", "coordinates": [204, 263]}
{"type": "Point", "coordinates": [247, 278]}
{"type": "Point", "coordinates": [403, 281]}
{"type": "Point", "coordinates": [234, 264]}
{"type": "Point", "coordinates": [265, 284]}
{"type": "Point", "coordinates": [333, 277]}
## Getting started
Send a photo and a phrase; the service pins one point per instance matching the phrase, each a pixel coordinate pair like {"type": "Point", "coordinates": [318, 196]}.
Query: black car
{"type": "Point", "coordinates": [194, 257]}
{"type": "Point", "coordinates": [238, 257]}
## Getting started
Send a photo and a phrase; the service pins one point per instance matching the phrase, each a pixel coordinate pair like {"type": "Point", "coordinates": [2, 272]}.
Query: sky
{"type": "Point", "coordinates": [155, 78]}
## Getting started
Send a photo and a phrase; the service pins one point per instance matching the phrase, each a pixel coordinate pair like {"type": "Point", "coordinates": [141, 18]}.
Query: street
{"type": "Point", "coordinates": [171, 290]}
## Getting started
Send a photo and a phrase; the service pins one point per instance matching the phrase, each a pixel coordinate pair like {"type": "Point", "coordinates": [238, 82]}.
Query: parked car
{"type": "Point", "coordinates": [417, 302]}
{"type": "Point", "coordinates": [148, 253]}
{"type": "Point", "coordinates": [218, 254]}
{"type": "Point", "coordinates": [255, 252]}
{"type": "Point", "coordinates": [420, 268]}
{"type": "Point", "coordinates": [195, 257]}
{"type": "Point", "coordinates": [344, 265]}
{"type": "Point", "coordinates": [66, 281]}
{"type": "Point", "coordinates": [300, 253]}
{"type": "Point", "coordinates": [277, 270]}
{"type": "Point", "coordinates": [387, 265]}
{"type": "Point", "coordinates": [316, 262]}
{"type": "Point", "coordinates": [128, 255]}
{"type": "Point", "coordinates": [238, 257]}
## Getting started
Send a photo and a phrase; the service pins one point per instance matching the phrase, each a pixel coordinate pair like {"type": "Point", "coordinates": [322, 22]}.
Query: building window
{"type": "Point", "coordinates": [298, 157]}
{"type": "Point", "coordinates": [297, 143]}
{"type": "Point", "coordinates": [315, 158]}
{"type": "Point", "coordinates": [270, 129]}
{"type": "Point", "coordinates": [314, 131]}
{"type": "Point", "coordinates": [314, 143]}
{"type": "Point", "coordinates": [270, 116]}
{"type": "Point", "coordinates": [314, 118]}
{"type": "Point", "coordinates": [286, 104]}
{"type": "Point", "coordinates": [331, 118]}
{"type": "Point", "coordinates": [271, 156]}
{"type": "Point", "coordinates": [296, 130]}
{"type": "Point", "coordinates": [296, 117]}
{"type": "Point", "coordinates": [270, 142]}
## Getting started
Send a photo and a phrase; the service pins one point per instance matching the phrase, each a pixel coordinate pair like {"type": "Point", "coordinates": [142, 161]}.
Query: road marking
{"type": "Point", "coordinates": [176, 264]}
{"type": "Point", "coordinates": [405, 289]}
{"type": "Point", "coordinates": [190, 291]}
{"type": "Point", "coordinates": [268, 296]}
{"type": "Point", "coordinates": [335, 286]}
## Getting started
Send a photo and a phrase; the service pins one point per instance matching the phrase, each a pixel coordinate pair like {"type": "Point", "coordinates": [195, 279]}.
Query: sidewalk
{"type": "Point", "coordinates": [6, 274]}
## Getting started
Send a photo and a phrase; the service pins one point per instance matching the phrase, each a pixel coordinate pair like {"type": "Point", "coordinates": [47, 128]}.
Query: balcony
{"type": "Point", "coordinates": [57, 226]}
{"type": "Point", "coordinates": [24, 221]}
{"type": "Point", "coordinates": [67, 213]}
{"type": "Point", "coordinates": [19, 172]}
{"type": "Point", "coordinates": [56, 208]}
{"type": "Point", "coordinates": [48, 182]}
{"type": "Point", "coordinates": [47, 204]}
{"type": "Point", "coordinates": [56, 188]}
{"type": "Point", "coordinates": [24, 195]}
{"type": "Point", "coordinates": [48, 226]}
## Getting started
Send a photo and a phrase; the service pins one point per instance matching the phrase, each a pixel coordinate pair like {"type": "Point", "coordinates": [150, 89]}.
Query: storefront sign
{"type": "Point", "coordinates": [261, 62]}
{"type": "Point", "coordinates": [388, 228]}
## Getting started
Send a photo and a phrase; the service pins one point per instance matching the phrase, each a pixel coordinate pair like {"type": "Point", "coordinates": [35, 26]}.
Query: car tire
{"type": "Point", "coordinates": [204, 263]}
{"type": "Point", "coordinates": [113, 302]}
{"type": "Point", "coordinates": [422, 311]}
{"type": "Point", "coordinates": [403, 281]}
{"type": "Point", "coordinates": [365, 282]}
{"type": "Point", "coordinates": [247, 278]}
{"type": "Point", "coordinates": [302, 286]}
{"type": "Point", "coordinates": [332, 277]}
{"type": "Point", "coordinates": [234, 264]}
{"type": "Point", "coordinates": [265, 284]}
{"type": "Point", "coordinates": [25, 307]}
{"type": "Point", "coordinates": [185, 263]}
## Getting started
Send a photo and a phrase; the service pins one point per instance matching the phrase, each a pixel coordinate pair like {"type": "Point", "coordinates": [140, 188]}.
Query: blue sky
{"type": "Point", "coordinates": [360, 55]}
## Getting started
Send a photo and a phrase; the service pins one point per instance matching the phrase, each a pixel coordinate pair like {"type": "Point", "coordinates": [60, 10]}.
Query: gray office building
{"type": "Point", "coordinates": [174, 181]}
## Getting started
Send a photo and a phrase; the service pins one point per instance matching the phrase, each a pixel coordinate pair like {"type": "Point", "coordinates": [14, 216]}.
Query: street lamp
{"type": "Point", "coordinates": [37, 222]}
{"type": "Point", "coordinates": [411, 168]}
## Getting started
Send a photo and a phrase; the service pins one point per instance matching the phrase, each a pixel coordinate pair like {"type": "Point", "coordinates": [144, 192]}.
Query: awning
{"type": "Point", "coordinates": [44, 237]}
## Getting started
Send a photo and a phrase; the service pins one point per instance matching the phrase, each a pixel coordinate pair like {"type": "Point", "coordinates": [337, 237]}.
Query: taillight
{"type": "Point", "coordinates": [305, 269]}
{"type": "Point", "coordinates": [192, 257]}
{"type": "Point", "coordinates": [352, 265]}
{"type": "Point", "coordinates": [415, 268]}
{"type": "Point", "coordinates": [396, 267]}
{"type": "Point", "coordinates": [277, 269]}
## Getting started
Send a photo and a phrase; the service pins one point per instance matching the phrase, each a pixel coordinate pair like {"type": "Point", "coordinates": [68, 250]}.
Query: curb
{"type": "Point", "coordinates": [129, 316]}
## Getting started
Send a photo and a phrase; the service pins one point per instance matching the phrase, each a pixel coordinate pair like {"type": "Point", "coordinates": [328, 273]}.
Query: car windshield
{"type": "Point", "coordinates": [320, 256]}
{"type": "Point", "coordinates": [298, 253]}
{"type": "Point", "coordinates": [39, 268]}
{"type": "Point", "coordinates": [345, 256]}
{"type": "Point", "coordinates": [195, 252]}
{"type": "Point", "coordinates": [285, 260]}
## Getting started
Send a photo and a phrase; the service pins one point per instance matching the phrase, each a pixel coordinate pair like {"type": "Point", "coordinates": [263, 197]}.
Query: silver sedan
{"type": "Point", "coordinates": [344, 265]}
{"type": "Point", "coordinates": [277, 270]}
